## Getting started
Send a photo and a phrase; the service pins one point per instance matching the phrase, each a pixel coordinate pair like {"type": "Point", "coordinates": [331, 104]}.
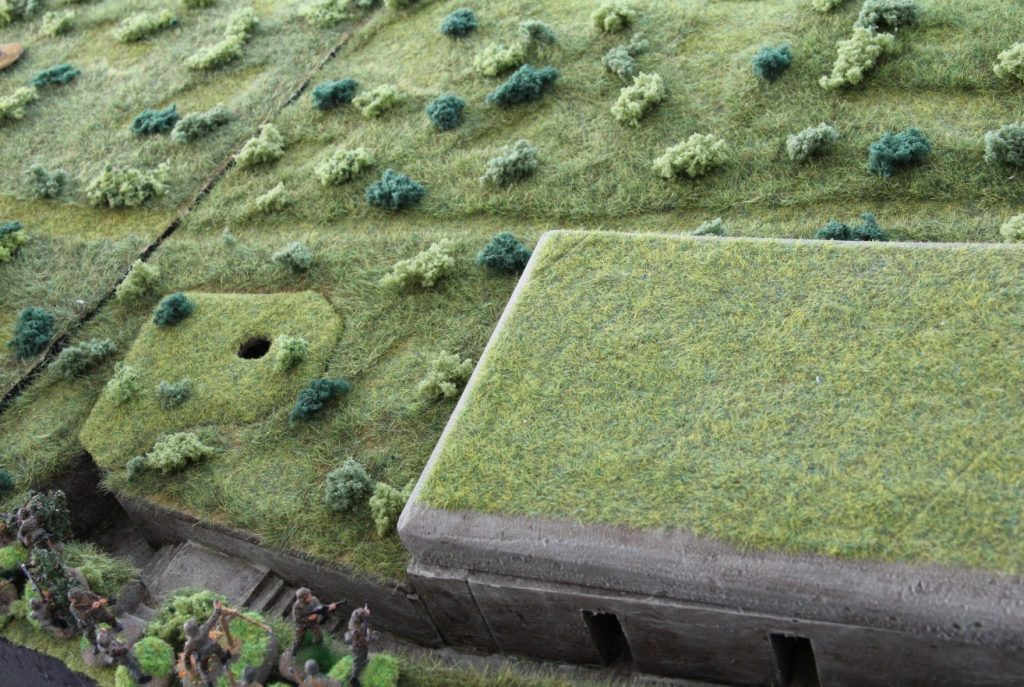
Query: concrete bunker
{"type": "Point", "coordinates": [794, 660]}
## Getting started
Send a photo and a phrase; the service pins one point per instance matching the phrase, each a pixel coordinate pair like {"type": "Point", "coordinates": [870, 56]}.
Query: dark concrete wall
{"type": "Point", "coordinates": [90, 507]}
{"type": "Point", "coordinates": [21, 667]}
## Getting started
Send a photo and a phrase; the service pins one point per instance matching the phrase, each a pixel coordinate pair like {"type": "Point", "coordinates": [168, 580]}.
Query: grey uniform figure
{"type": "Point", "coordinates": [358, 637]}
{"type": "Point", "coordinates": [249, 677]}
{"type": "Point", "coordinates": [199, 648]}
{"type": "Point", "coordinates": [307, 612]}
{"type": "Point", "coordinates": [117, 653]}
{"type": "Point", "coordinates": [313, 678]}
{"type": "Point", "coordinates": [89, 610]}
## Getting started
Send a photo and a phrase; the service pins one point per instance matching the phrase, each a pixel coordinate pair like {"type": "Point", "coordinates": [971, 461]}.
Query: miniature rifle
{"type": "Point", "coordinates": [322, 610]}
{"type": "Point", "coordinates": [43, 594]}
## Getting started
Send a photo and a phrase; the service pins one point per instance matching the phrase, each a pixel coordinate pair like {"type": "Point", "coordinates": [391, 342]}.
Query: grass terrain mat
{"type": "Point", "coordinates": [856, 401]}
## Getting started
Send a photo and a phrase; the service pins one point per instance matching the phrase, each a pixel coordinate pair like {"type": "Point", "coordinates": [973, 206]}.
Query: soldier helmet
{"type": "Point", "coordinates": [76, 592]}
{"type": "Point", "coordinates": [302, 592]}
{"type": "Point", "coordinates": [191, 627]}
{"type": "Point", "coordinates": [248, 675]}
{"type": "Point", "coordinates": [312, 667]}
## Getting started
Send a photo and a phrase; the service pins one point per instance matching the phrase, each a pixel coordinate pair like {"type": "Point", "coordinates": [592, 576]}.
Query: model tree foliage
{"type": "Point", "coordinates": [75, 361]}
{"type": "Point", "coordinates": [12, 238]}
{"type": "Point", "coordinates": [445, 111]}
{"type": "Point", "coordinates": [196, 125]}
{"type": "Point", "coordinates": [888, 15]}
{"type": "Point", "coordinates": [141, 279]}
{"type": "Point", "coordinates": [150, 122]}
{"type": "Point", "coordinates": [695, 157]}
{"type": "Point", "coordinates": [526, 84]}
{"type": "Point", "coordinates": [459, 23]}
{"type": "Point", "coordinates": [347, 486]}
{"type": "Point", "coordinates": [868, 230]}
{"type": "Point", "coordinates": [639, 100]}
{"type": "Point", "coordinates": [44, 183]}
{"type": "Point", "coordinates": [1010, 62]}
{"type": "Point", "coordinates": [424, 269]}
{"type": "Point", "coordinates": [127, 187]}
{"type": "Point", "coordinates": [343, 165]}
{"type": "Point", "coordinates": [770, 63]}
{"type": "Point", "coordinates": [446, 374]}
{"type": "Point", "coordinates": [1012, 230]}
{"type": "Point", "coordinates": [262, 149]}
{"type": "Point", "coordinates": [857, 56]}
{"type": "Point", "coordinates": [1006, 145]}
{"type": "Point", "coordinates": [32, 331]}
{"type": "Point", "coordinates": [514, 162]}
{"type": "Point", "coordinates": [143, 25]}
{"type": "Point", "coordinates": [314, 398]}
{"type": "Point", "coordinates": [290, 352]}
{"type": "Point", "coordinates": [613, 16]}
{"type": "Point", "coordinates": [898, 150]}
{"type": "Point", "coordinates": [123, 386]}
{"type": "Point", "coordinates": [170, 395]}
{"type": "Point", "coordinates": [332, 94]}
{"type": "Point", "coordinates": [173, 309]}
{"type": "Point", "coordinates": [170, 453]}
{"type": "Point", "coordinates": [811, 142]}
{"type": "Point", "coordinates": [58, 75]}
{"type": "Point", "coordinates": [376, 101]}
{"type": "Point", "coordinates": [394, 191]}
{"type": "Point", "coordinates": [295, 257]}
{"type": "Point", "coordinates": [504, 253]}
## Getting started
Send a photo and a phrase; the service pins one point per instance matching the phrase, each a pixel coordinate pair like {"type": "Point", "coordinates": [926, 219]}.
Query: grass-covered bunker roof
{"type": "Point", "coordinates": [852, 400]}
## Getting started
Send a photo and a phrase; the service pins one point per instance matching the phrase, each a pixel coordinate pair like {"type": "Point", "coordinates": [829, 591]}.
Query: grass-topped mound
{"type": "Point", "coordinates": [854, 400]}
{"type": "Point", "coordinates": [226, 348]}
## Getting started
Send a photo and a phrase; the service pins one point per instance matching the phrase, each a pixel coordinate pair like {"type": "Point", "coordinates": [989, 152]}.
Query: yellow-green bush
{"type": "Point", "coordinates": [143, 25]}
{"type": "Point", "coordinates": [239, 30]}
{"type": "Point", "coordinates": [171, 453]}
{"type": "Point", "coordinates": [127, 187]}
{"type": "Point", "coordinates": [386, 506]}
{"type": "Point", "coordinates": [123, 385]}
{"type": "Point", "coordinates": [262, 149]}
{"type": "Point", "coordinates": [377, 101]}
{"type": "Point", "coordinates": [57, 23]}
{"type": "Point", "coordinates": [1013, 230]}
{"type": "Point", "coordinates": [1010, 62]}
{"type": "Point", "coordinates": [639, 99]}
{"type": "Point", "coordinates": [857, 55]}
{"type": "Point", "coordinates": [343, 165]}
{"type": "Point", "coordinates": [613, 16]}
{"type": "Point", "coordinates": [141, 279]}
{"type": "Point", "coordinates": [446, 375]}
{"type": "Point", "coordinates": [12, 107]}
{"type": "Point", "coordinates": [694, 157]}
{"type": "Point", "coordinates": [274, 200]}
{"type": "Point", "coordinates": [424, 269]}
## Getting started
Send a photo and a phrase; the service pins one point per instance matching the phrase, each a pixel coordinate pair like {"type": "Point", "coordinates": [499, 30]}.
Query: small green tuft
{"type": "Point", "coordinates": [639, 99]}
{"type": "Point", "coordinates": [711, 227]}
{"type": "Point", "coordinates": [314, 398]}
{"type": "Point", "coordinates": [810, 142]}
{"type": "Point", "coordinates": [32, 331]}
{"type": "Point", "coordinates": [347, 486]}
{"type": "Point", "coordinates": [894, 151]}
{"type": "Point", "coordinates": [141, 279]}
{"type": "Point", "coordinates": [424, 269]}
{"type": "Point", "coordinates": [123, 385]}
{"type": "Point", "coordinates": [459, 23]}
{"type": "Point", "coordinates": [126, 187]}
{"type": "Point", "coordinates": [44, 183]}
{"type": "Point", "coordinates": [694, 157]}
{"type": "Point", "coordinates": [262, 149]}
{"type": "Point", "coordinates": [274, 200]}
{"type": "Point", "coordinates": [171, 453]}
{"type": "Point", "coordinates": [343, 165]}
{"type": "Point", "coordinates": [504, 253]}
{"type": "Point", "coordinates": [394, 191]}
{"type": "Point", "coordinates": [143, 25]}
{"type": "Point", "coordinates": [445, 376]}
{"type": "Point", "coordinates": [75, 361]}
{"type": "Point", "coordinates": [613, 16]}
{"type": "Point", "coordinates": [770, 63]}
{"type": "Point", "coordinates": [295, 257]}
{"type": "Point", "coordinates": [857, 55]}
{"type": "Point", "coordinates": [170, 395]}
{"type": "Point", "coordinates": [887, 16]}
{"type": "Point", "coordinates": [173, 309]}
{"type": "Point", "coordinates": [514, 162]}
{"type": "Point", "coordinates": [386, 506]}
{"type": "Point", "coordinates": [150, 122]}
{"type": "Point", "coordinates": [196, 125]}
{"type": "Point", "coordinates": [1012, 230]}
{"type": "Point", "coordinates": [290, 352]}
{"type": "Point", "coordinates": [837, 231]}
{"type": "Point", "coordinates": [332, 94]}
{"type": "Point", "coordinates": [1006, 145]}
{"type": "Point", "coordinates": [526, 84]}
{"type": "Point", "coordinates": [1009, 63]}
{"type": "Point", "coordinates": [377, 101]}
{"type": "Point", "coordinates": [58, 75]}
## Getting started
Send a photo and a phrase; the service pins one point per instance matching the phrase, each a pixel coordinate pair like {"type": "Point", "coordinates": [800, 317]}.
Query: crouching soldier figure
{"type": "Point", "coordinates": [114, 652]}
{"type": "Point", "coordinates": [359, 636]}
{"type": "Point", "coordinates": [200, 648]}
{"type": "Point", "coordinates": [313, 678]}
{"type": "Point", "coordinates": [307, 614]}
{"type": "Point", "coordinates": [90, 609]}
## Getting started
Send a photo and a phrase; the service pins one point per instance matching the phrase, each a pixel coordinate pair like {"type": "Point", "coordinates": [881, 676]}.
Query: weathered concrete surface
{"type": "Point", "coordinates": [198, 567]}
{"type": "Point", "coordinates": [451, 606]}
{"type": "Point", "coordinates": [395, 607]}
{"type": "Point", "coordinates": [22, 667]}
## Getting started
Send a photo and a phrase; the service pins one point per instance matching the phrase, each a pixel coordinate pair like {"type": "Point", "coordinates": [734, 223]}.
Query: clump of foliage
{"type": "Point", "coordinates": [46, 184]}
{"type": "Point", "coordinates": [639, 100]}
{"type": "Point", "coordinates": [172, 394]}
{"type": "Point", "coordinates": [887, 15]}
{"type": "Point", "coordinates": [332, 94]}
{"type": "Point", "coordinates": [343, 165]}
{"type": "Point", "coordinates": [6, 487]}
{"type": "Point", "coordinates": [386, 506]}
{"type": "Point", "coordinates": [770, 63]}
{"type": "Point", "coordinates": [613, 16]}
{"type": "Point", "coordinates": [274, 200]}
{"type": "Point", "coordinates": [1013, 230]}
{"type": "Point", "coordinates": [12, 238]}
{"type": "Point", "coordinates": [155, 657]}
{"type": "Point", "coordinates": [126, 187]}
{"type": "Point", "coordinates": [496, 58]}
{"type": "Point", "coordinates": [445, 376]}
{"type": "Point", "coordinates": [171, 453]}
{"type": "Point", "coordinates": [893, 151]}
{"type": "Point", "coordinates": [526, 83]}
{"type": "Point", "coordinates": [196, 125]}
{"type": "Point", "coordinates": [694, 157]}
{"type": "Point", "coordinates": [57, 23]}
{"type": "Point", "coordinates": [514, 162]}
{"type": "Point", "coordinates": [394, 191]}
{"type": "Point", "coordinates": [57, 75]}
{"type": "Point", "coordinates": [621, 60]}
{"type": "Point", "coordinates": [290, 352]}
{"type": "Point", "coordinates": [533, 32]}
{"type": "Point", "coordinates": [143, 25]}
{"type": "Point", "coordinates": [424, 270]}
{"type": "Point", "coordinates": [711, 227]}
{"type": "Point", "coordinates": [51, 511]}
{"type": "Point", "coordinates": [32, 331]}
{"type": "Point", "coordinates": [267, 147]}
{"type": "Point", "coordinates": [459, 23]}
{"type": "Point", "coordinates": [182, 605]}
{"type": "Point", "coordinates": [867, 231]}
{"type": "Point", "coordinates": [240, 27]}
{"type": "Point", "coordinates": [398, 4]}
{"type": "Point", "coordinates": [504, 253]}
{"type": "Point", "coordinates": [314, 398]}
{"type": "Point", "coordinates": [17, 10]}
{"type": "Point", "coordinates": [150, 122]}
{"type": "Point", "coordinates": [856, 57]}
{"type": "Point", "coordinates": [123, 386]}
{"type": "Point", "coordinates": [141, 279]}
{"type": "Point", "coordinates": [377, 101]}
{"type": "Point", "coordinates": [814, 140]}
{"type": "Point", "coordinates": [383, 670]}
{"type": "Point", "coordinates": [295, 257]}
{"type": "Point", "coordinates": [173, 309]}
{"type": "Point", "coordinates": [1010, 62]}
{"type": "Point", "coordinates": [326, 13]}
{"type": "Point", "coordinates": [826, 5]}
{"type": "Point", "coordinates": [445, 111]}
{"type": "Point", "coordinates": [12, 107]}
{"type": "Point", "coordinates": [198, 4]}
{"type": "Point", "coordinates": [347, 486]}
{"type": "Point", "coordinates": [1006, 146]}
{"type": "Point", "coordinates": [75, 361]}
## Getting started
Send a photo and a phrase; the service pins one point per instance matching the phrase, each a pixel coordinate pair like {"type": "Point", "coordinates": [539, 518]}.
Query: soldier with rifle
{"type": "Point", "coordinates": [89, 610]}
{"type": "Point", "coordinates": [359, 636]}
{"type": "Point", "coordinates": [200, 647]}
{"type": "Point", "coordinates": [307, 614]}
{"type": "Point", "coordinates": [46, 608]}
{"type": "Point", "coordinates": [113, 652]}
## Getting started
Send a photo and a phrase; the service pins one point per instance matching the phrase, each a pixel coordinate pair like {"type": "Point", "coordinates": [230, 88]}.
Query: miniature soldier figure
{"type": "Point", "coordinates": [114, 652]}
{"type": "Point", "coordinates": [358, 637]}
{"type": "Point", "coordinates": [199, 648]}
{"type": "Point", "coordinates": [315, 679]}
{"type": "Point", "coordinates": [89, 610]}
{"type": "Point", "coordinates": [249, 677]}
{"type": "Point", "coordinates": [307, 614]}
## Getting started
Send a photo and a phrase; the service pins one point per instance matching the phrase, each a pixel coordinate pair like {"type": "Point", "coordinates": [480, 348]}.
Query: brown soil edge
{"type": "Point", "coordinates": [9, 54]}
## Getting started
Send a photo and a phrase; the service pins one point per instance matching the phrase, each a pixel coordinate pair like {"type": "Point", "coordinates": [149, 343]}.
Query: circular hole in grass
{"type": "Point", "coordinates": [254, 348]}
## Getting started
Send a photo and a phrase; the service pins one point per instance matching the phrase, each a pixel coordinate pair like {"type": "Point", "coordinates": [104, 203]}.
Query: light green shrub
{"type": "Point", "coordinates": [198, 4]}
{"type": "Point", "coordinates": [17, 10]}
{"type": "Point", "coordinates": [694, 157]}
{"type": "Point", "coordinates": [497, 58]}
{"type": "Point", "coordinates": [141, 279]}
{"type": "Point", "coordinates": [857, 55]}
{"type": "Point", "coordinates": [274, 200]}
{"type": "Point", "coordinates": [639, 100]}
{"type": "Point", "coordinates": [514, 162]}
{"type": "Point", "coordinates": [267, 147]}
{"type": "Point", "coordinates": [826, 5]}
{"type": "Point", "coordinates": [326, 13]}
{"type": "Point", "coordinates": [123, 386]}
{"type": "Point", "coordinates": [386, 506]}
{"type": "Point", "coordinates": [75, 361]}
{"type": "Point", "coordinates": [814, 140]}
{"type": "Point", "coordinates": [1013, 230]}
{"type": "Point", "coordinates": [295, 256]}
{"type": "Point", "coordinates": [57, 23]}
{"type": "Point", "coordinates": [46, 184]}
{"type": "Point", "coordinates": [12, 238]}
{"type": "Point", "coordinates": [155, 657]}
{"type": "Point", "coordinates": [621, 60]}
{"type": "Point", "coordinates": [170, 395]}
{"type": "Point", "coordinates": [377, 101]}
{"type": "Point", "coordinates": [398, 4]}
{"type": "Point", "coordinates": [445, 376]}
{"type": "Point", "coordinates": [1006, 145]}
{"type": "Point", "coordinates": [887, 15]}
{"type": "Point", "coordinates": [178, 608]}
{"type": "Point", "coordinates": [12, 107]}
{"type": "Point", "coordinates": [196, 125]}
{"type": "Point", "coordinates": [383, 670]}
{"type": "Point", "coordinates": [127, 187]}
{"type": "Point", "coordinates": [241, 25]}
{"type": "Point", "coordinates": [290, 351]}
{"type": "Point", "coordinates": [171, 453]}
{"type": "Point", "coordinates": [347, 486]}
{"type": "Point", "coordinates": [343, 165]}
{"type": "Point", "coordinates": [712, 227]}
{"type": "Point", "coordinates": [1009, 63]}
{"type": "Point", "coordinates": [143, 25]}
{"type": "Point", "coordinates": [613, 16]}
{"type": "Point", "coordinates": [425, 269]}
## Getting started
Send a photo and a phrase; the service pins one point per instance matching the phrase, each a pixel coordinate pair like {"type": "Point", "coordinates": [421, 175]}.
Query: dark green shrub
{"type": "Point", "coordinates": [172, 394]}
{"type": "Point", "coordinates": [394, 191]}
{"type": "Point", "coordinates": [12, 238]}
{"type": "Point", "coordinates": [46, 184]}
{"type": "Point", "coordinates": [887, 16]}
{"type": "Point", "coordinates": [516, 161]}
{"type": "Point", "coordinates": [151, 122]}
{"type": "Point", "coordinates": [6, 483]}
{"type": "Point", "coordinates": [504, 253]}
{"type": "Point", "coordinates": [1006, 146]}
{"type": "Point", "coordinates": [770, 63]}
{"type": "Point", "coordinates": [55, 76]}
{"type": "Point", "coordinates": [75, 361]}
{"type": "Point", "coordinates": [127, 187]}
{"type": "Point", "coordinates": [173, 309]}
{"type": "Point", "coordinates": [332, 94]}
{"type": "Point", "coordinates": [837, 231]}
{"type": "Point", "coordinates": [32, 332]}
{"type": "Point", "coordinates": [446, 111]}
{"type": "Point", "coordinates": [314, 398]}
{"type": "Point", "coordinates": [892, 151]}
{"type": "Point", "coordinates": [711, 227]}
{"type": "Point", "coordinates": [347, 486]}
{"type": "Point", "coordinates": [196, 125]}
{"type": "Point", "coordinates": [534, 32]}
{"type": "Point", "coordinates": [459, 23]}
{"type": "Point", "coordinates": [526, 83]}
{"type": "Point", "coordinates": [295, 256]}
